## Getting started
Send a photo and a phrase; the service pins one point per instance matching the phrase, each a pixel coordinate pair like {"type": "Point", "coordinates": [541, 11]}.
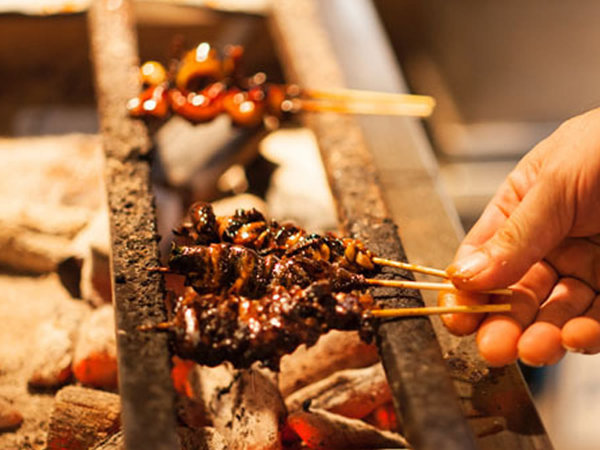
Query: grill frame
{"type": "Point", "coordinates": [145, 386]}
{"type": "Point", "coordinates": [372, 189]}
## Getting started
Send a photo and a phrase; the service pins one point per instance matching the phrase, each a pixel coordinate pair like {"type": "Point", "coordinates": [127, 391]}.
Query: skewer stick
{"type": "Point", "coordinates": [353, 101]}
{"type": "Point", "coordinates": [363, 107]}
{"type": "Point", "coordinates": [425, 285]}
{"type": "Point", "coordinates": [433, 310]}
{"type": "Point", "coordinates": [367, 96]}
{"type": "Point", "coordinates": [409, 266]}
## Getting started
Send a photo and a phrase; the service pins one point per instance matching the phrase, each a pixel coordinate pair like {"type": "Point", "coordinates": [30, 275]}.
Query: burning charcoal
{"type": "Point", "coordinates": [95, 360]}
{"type": "Point", "coordinates": [51, 363]}
{"type": "Point", "coordinates": [351, 393]}
{"type": "Point", "coordinates": [205, 438]}
{"type": "Point", "coordinates": [334, 351]}
{"type": "Point", "coordinates": [191, 412]}
{"type": "Point", "coordinates": [93, 244]}
{"type": "Point", "coordinates": [244, 406]}
{"type": "Point", "coordinates": [83, 417]}
{"type": "Point", "coordinates": [192, 408]}
{"type": "Point", "coordinates": [30, 251]}
{"type": "Point", "coordinates": [37, 225]}
{"type": "Point", "coordinates": [384, 417]}
{"type": "Point", "coordinates": [53, 359]}
{"type": "Point", "coordinates": [321, 429]}
{"type": "Point", "coordinates": [114, 442]}
{"type": "Point", "coordinates": [10, 417]}
{"type": "Point", "coordinates": [207, 382]}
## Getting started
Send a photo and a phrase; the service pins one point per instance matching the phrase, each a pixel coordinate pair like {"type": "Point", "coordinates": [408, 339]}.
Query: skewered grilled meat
{"type": "Point", "coordinates": [204, 84]}
{"type": "Point", "coordinates": [211, 328]}
{"type": "Point", "coordinates": [250, 229]}
{"type": "Point", "coordinates": [230, 268]}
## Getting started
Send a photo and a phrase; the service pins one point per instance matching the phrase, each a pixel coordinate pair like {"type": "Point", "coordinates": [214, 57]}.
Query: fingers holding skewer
{"type": "Point", "coordinates": [502, 338]}
{"type": "Point", "coordinates": [582, 334]}
{"type": "Point", "coordinates": [462, 324]}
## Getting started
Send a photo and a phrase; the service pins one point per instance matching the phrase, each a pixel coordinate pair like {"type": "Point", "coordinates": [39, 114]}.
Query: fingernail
{"type": "Point", "coordinates": [531, 364]}
{"type": "Point", "coordinates": [573, 349]}
{"type": "Point", "coordinates": [469, 266]}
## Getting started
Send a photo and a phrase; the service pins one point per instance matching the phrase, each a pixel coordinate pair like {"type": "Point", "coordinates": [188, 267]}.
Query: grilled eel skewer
{"type": "Point", "coordinates": [238, 270]}
{"type": "Point", "coordinates": [269, 238]}
{"type": "Point", "coordinates": [251, 229]}
{"type": "Point", "coordinates": [205, 83]}
{"type": "Point", "coordinates": [214, 328]}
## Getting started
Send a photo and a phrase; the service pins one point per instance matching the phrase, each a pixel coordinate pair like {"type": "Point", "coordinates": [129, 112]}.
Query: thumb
{"type": "Point", "coordinates": [536, 226]}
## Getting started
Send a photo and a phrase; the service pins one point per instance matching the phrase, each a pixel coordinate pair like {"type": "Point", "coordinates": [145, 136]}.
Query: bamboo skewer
{"type": "Point", "coordinates": [363, 107]}
{"type": "Point", "coordinates": [399, 312]}
{"type": "Point", "coordinates": [362, 95]}
{"type": "Point", "coordinates": [376, 260]}
{"type": "Point", "coordinates": [409, 266]}
{"type": "Point", "coordinates": [433, 310]}
{"type": "Point", "coordinates": [393, 313]}
{"type": "Point", "coordinates": [351, 101]}
{"type": "Point", "coordinates": [426, 285]}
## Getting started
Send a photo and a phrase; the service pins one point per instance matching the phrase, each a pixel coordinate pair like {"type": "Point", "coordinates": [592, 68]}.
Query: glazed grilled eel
{"type": "Point", "coordinates": [212, 328]}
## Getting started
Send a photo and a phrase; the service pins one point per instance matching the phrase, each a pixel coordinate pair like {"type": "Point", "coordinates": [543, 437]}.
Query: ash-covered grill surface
{"type": "Point", "coordinates": [145, 385]}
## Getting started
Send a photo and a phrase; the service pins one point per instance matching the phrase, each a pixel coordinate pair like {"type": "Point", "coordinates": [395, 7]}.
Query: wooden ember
{"type": "Point", "coordinates": [350, 393]}
{"type": "Point", "coordinates": [95, 283]}
{"type": "Point", "coordinates": [55, 341]}
{"type": "Point", "coordinates": [244, 406]}
{"type": "Point", "coordinates": [334, 351]}
{"type": "Point", "coordinates": [50, 187]}
{"type": "Point", "coordinates": [192, 412]}
{"type": "Point", "coordinates": [53, 360]}
{"type": "Point", "coordinates": [10, 417]}
{"type": "Point", "coordinates": [95, 359]}
{"type": "Point", "coordinates": [202, 439]}
{"type": "Point", "coordinates": [113, 442]}
{"type": "Point", "coordinates": [83, 417]}
{"type": "Point", "coordinates": [206, 438]}
{"type": "Point", "coordinates": [320, 429]}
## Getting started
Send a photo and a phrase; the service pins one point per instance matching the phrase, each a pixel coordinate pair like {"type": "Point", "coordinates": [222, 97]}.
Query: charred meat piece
{"type": "Point", "coordinates": [211, 328]}
{"type": "Point", "coordinates": [234, 269]}
{"type": "Point", "coordinates": [251, 229]}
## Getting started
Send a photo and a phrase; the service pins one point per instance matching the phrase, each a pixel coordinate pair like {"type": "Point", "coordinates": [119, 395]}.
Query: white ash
{"type": "Point", "coordinates": [298, 190]}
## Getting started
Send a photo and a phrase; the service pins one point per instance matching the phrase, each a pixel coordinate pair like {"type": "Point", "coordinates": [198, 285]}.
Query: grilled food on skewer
{"type": "Point", "coordinates": [234, 269]}
{"type": "Point", "coordinates": [213, 328]}
{"type": "Point", "coordinates": [203, 84]}
{"type": "Point", "coordinates": [260, 289]}
{"type": "Point", "coordinates": [251, 229]}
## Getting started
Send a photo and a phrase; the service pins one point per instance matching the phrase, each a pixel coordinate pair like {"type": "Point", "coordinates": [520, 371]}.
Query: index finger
{"type": "Point", "coordinates": [503, 203]}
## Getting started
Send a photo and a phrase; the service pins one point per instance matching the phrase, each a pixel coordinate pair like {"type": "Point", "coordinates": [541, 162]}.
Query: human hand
{"type": "Point", "coordinates": [540, 234]}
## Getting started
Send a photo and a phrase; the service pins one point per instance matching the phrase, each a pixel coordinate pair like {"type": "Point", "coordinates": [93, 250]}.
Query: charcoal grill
{"type": "Point", "coordinates": [378, 169]}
